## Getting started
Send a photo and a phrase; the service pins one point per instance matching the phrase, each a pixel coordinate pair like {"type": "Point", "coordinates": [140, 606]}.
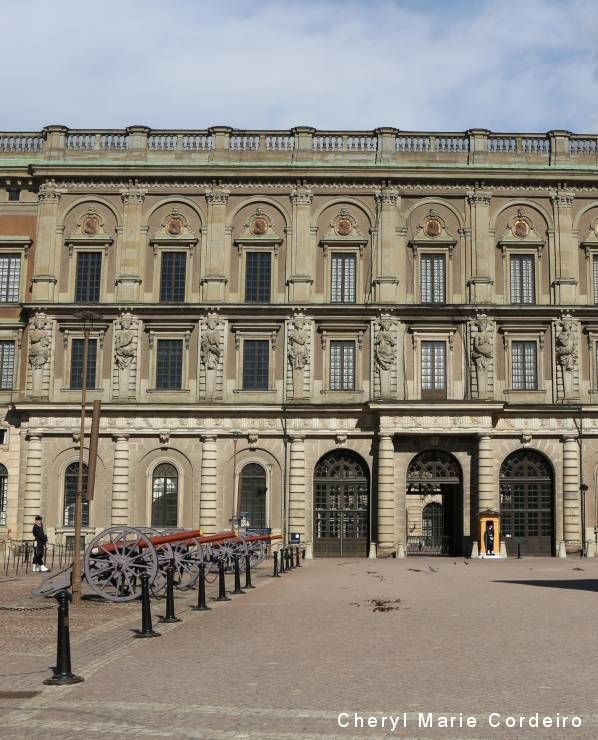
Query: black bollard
{"type": "Point", "coordinates": [61, 673]}
{"type": "Point", "coordinates": [519, 551]}
{"type": "Point", "coordinates": [297, 558]}
{"type": "Point", "coordinates": [221, 583]}
{"type": "Point", "coordinates": [248, 583]}
{"type": "Point", "coordinates": [238, 589]}
{"type": "Point", "coordinates": [170, 617]}
{"type": "Point", "coordinates": [289, 560]}
{"type": "Point", "coordinates": [201, 591]}
{"type": "Point", "coordinates": [281, 568]}
{"type": "Point", "coordinates": [275, 574]}
{"type": "Point", "coordinates": [303, 554]}
{"type": "Point", "coordinates": [147, 629]}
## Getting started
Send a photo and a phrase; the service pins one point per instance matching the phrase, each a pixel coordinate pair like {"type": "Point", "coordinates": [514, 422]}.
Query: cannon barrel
{"type": "Point", "coordinates": [166, 539]}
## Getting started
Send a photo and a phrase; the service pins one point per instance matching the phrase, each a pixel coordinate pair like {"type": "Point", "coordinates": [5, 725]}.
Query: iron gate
{"type": "Point", "coordinates": [341, 506]}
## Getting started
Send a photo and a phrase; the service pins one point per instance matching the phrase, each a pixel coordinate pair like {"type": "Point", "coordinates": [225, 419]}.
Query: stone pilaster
{"type": "Point", "coordinates": [566, 252]}
{"type": "Point", "coordinates": [119, 510]}
{"type": "Point", "coordinates": [386, 494]}
{"type": "Point", "coordinates": [297, 486]}
{"type": "Point", "coordinates": [487, 491]}
{"type": "Point", "coordinates": [213, 279]}
{"type": "Point", "coordinates": [387, 255]}
{"type": "Point", "coordinates": [128, 280]}
{"type": "Point", "coordinates": [33, 481]}
{"type": "Point", "coordinates": [46, 244]}
{"type": "Point", "coordinates": [208, 505]}
{"type": "Point", "coordinates": [301, 264]}
{"type": "Point", "coordinates": [481, 281]}
{"type": "Point", "coordinates": [571, 494]}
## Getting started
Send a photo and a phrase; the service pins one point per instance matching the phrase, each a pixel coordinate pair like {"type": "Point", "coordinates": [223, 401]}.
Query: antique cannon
{"type": "Point", "coordinates": [115, 559]}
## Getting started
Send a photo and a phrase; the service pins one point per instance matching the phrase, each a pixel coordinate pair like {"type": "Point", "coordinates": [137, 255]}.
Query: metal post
{"type": "Point", "coordinates": [288, 559]}
{"type": "Point", "coordinates": [221, 583]}
{"type": "Point", "coordinates": [281, 569]}
{"type": "Point", "coordinates": [147, 629]}
{"type": "Point", "coordinates": [238, 589]}
{"type": "Point", "coordinates": [519, 551]}
{"type": "Point", "coordinates": [201, 591]}
{"type": "Point", "coordinates": [275, 574]}
{"type": "Point", "coordinates": [297, 557]}
{"type": "Point", "coordinates": [62, 674]}
{"type": "Point", "coordinates": [248, 583]}
{"type": "Point", "coordinates": [170, 616]}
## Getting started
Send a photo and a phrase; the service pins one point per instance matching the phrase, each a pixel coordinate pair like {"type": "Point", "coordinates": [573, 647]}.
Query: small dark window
{"type": "Point", "coordinates": [14, 194]}
{"type": "Point", "coordinates": [89, 269]}
{"type": "Point", "coordinates": [169, 364]}
{"type": "Point", "coordinates": [77, 348]}
{"type": "Point", "coordinates": [172, 277]}
{"type": "Point", "coordinates": [258, 270]}
{"type": "Point", "coordinates": [70, 492]}
{"type": "Point", "coordinates": [256, 355]}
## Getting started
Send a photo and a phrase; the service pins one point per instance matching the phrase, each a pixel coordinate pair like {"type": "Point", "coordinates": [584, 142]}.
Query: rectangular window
{"type": "Point", "coordinates": [169, 364]}
{"type": "Point", "coordinates": [14, 194]}
{"type": "Point", "coordinates": [433, 369]}
{"type": "Point", "coordinates": [89, 268]}
{"type": "Point", "coordinates": [523, 278]}
{"type": "Point", "coordinates": [7, 365]}
{"type": "Point", "coordinates": [524, 366]}
{"type": "Point", "coordinates": [10, 277]}
{"type": "Point", "coordinates": [342, 366]}
{"type": "Point", "coordinates": [256, 360]}
{"type": "Point", "coordinates": [172, 277]}
{"type": "Point", "coordinates": [595, 276]}
{"type": "Point", "coordinates": [258, 272]}
{"type": "Point", "coordinates": [343, 278]}
{"type": "Point", "coordinates": [3, 495]}
{"type": "Point", "coordinates": [77, 347]}
{"type": "Point", "coordinates": [433, 278]}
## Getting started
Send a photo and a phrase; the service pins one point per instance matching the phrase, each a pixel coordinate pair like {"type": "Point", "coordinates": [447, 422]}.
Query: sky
{"type": "Point", "coordinates": [428, 65]}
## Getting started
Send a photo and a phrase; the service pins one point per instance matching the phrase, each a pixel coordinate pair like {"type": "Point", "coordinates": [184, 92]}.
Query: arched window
{"type": "Point", "coordinates": [165, 496]}
{"type": "Point", "coordinates": [3, 487]}
{"type": "Point", "coordinates": [70, 492]}
{"type": "Point", "coordinates": [252, 496]}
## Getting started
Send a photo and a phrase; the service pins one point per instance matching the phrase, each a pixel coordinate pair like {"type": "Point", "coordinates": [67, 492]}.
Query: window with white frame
{"type": "Point", "coordinates": [343, 275]}
{"type": "Point", "coordinates": [433, 278]}
{"type": "Point", "coordinates": [71, 478]}
{"type": "Point", "coordinates": [7, 365]}
{"type": "Point", "coordinates": [88, 277]}
{"type": "Point", "coordinates": [433, 369]}
{"type": "Point", "coordinates": [169, 364]}
{"type": "Point", "coordinates": [524, 366]}
{"type": "Point", "coordinates": [258, 277]}
{"type": "Point", "coordinates": [595, 276]}
{"type": "Point", "coordinates": [172, 277]}
{"type": "Point", "coordinates": [10, 277]}
{"type": "Point", "coordinates": [523, 278]}
{"type": "Point", "coordinates": [342, 365]}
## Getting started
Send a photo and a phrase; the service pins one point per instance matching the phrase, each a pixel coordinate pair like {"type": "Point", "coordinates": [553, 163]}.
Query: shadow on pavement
{"type": "Point", "coordinates": [579, 584]}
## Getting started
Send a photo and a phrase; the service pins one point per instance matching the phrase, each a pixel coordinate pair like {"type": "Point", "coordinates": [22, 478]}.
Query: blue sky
{"type": "Point", "coordinates": [506, 65]}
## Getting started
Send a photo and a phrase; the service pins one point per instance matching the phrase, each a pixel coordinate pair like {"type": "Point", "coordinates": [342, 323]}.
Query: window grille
{"type": "Point", "coordinates": [433, 278]}
{"type": "Point", "coordinates": [524, 366]}
{"type": "Point", "coordinates": [14, 195]}
{"type": "Point", "coordinates": [523, 278]}
{"type": "Point", "coordinates": [165, 496]}
{"type": "Point", "coordinates": [342, 366]}
{"type": "Point", "coordinates": [77, 348]}
{"type": "Point", "coordinates": [3, 494]}
{"type": "Point", "coordinates": [172, 277]}
{"type": "Point", "coordinates": [433, 367]}
{"type": "Point", "coordinates": [7, 365]}
{"type": "Point", "coordinates": [256, 356]}
{"type": "Point", "coordinates": [343, 268]}
{"type": "Point", "coordinates": [70, 492]}
{"type": "Point", "coordinates": [258, 275]}
{"type": "Point", "coordinates": [89, 268]}
{"type": "Point", "coordinates": [252, 506]}
{"type": "Point", "coordinates": [10, 278]}
{"type": "Point", "coordinates": [169, 364]}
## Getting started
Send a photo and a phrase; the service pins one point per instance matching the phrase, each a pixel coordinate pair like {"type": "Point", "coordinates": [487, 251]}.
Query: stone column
{"type": "Point", "coordinates": [481, 282]}
{"type": "Point", "coordinates": [487, 493]}
{"type": "Point", "coordinates": [567, 263]}
{"type": "Point", "coordinates": [571, 494]}
{"type": "Point", "coordinates": [386, 494]}
{"type": "Point", "coordinates": [128, 279]}
{"type": "Point", "coordinates": [213, 280]}
{"type": "Point", "coordinates": [387, 255]}
{"type": "Point", "coordinates": [208, 503]}
{"type": "Point", "coordinates": [297, 486]}
{"type": "Point", "coordinates": [33, 482]}
{"type": "Point", "coordinates": [119, 512]}
{"type": "Point", "coordinates": [46, 247]}
{"type": "Point", "coordinates": [301, 263]}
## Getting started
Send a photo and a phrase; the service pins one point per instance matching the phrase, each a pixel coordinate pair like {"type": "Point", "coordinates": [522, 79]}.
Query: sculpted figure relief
{"type": "Point", "coordinates": [210, 354]}
{"type": "Point", "coordinates": [39, 341]}
{"type": "Point", "coordinates": [298, 349]}
{"type": "Point", "coordinates": [482, 352]}
{"type": "Point", "coordinates": [566, 344]}
{"type": "Point", "coordinates": [385, 353]}
{"type": "Point", "coordinates": [125, 342]}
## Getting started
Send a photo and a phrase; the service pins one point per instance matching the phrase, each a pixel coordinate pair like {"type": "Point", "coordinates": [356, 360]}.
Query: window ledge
{"type": "Point", "coordinates": [78, 390]}
{"type": "Point", "coordinates": [525, 396]}
{"type": "Point", "coordinates": [255, 392]}
{"type": "Point", "coordinates": [167, 390]}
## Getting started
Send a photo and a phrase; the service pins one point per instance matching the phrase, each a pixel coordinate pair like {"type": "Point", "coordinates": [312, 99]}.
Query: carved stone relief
{"type": "Point", "coordinates": [211, 355]}
{"type": "Point", "coordinates": [126, 341]}
{"type": "Point", "coordinates": [299, 340]}
{"type": "Point", "coordinates": [482, 333]}
{"type": "Point", "coordinates": [40, 347]}
{"type": "Point", "coordinates": [566, 352]}
{"type": "Point", "coordinates": [386, 357]}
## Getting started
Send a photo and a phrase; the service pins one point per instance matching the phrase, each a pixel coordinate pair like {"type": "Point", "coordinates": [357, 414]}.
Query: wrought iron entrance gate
{"type": "Point", "coordinates": [341, 506]}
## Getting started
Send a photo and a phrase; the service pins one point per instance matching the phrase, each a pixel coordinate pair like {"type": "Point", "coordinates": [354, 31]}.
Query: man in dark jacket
{"type": "Point", "coordinates": [40, 538]}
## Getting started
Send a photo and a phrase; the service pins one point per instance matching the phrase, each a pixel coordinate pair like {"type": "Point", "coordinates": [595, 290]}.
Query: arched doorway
{"type": "Point", "coordinates": [252, 496]}
{"type": "Point", "coordinates": [71, 477]}
{"type": "Point", "coordinates": [165, 496]}
{"type": "Point", "coordinates": [435, 504]}
{"type": "Point", "coordinates": [527, 503]}
{"type": "Point", "coordinates": [341, 505]}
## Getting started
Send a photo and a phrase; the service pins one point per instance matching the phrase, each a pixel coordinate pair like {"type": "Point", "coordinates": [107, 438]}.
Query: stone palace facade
{"type": "Point", "coordinates": [363, 339]}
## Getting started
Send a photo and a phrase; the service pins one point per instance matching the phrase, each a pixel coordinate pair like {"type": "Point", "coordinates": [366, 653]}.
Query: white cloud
{"type": "Point", "coordinates": [358, 64]}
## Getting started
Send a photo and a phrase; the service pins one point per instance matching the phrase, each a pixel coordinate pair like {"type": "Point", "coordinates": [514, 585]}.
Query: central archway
{"type": "Point", "coordinates": [434, 504]}
{"type": "Point", "coordinates": [341, 505]}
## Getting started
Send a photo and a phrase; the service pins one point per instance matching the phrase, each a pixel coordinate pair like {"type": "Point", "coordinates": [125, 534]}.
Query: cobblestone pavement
{"type": "Point", "coordinates": [377, 638]}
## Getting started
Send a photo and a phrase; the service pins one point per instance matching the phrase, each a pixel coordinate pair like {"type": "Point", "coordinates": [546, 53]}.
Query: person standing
{"type": "Point", "coordinates": [40, 538]}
